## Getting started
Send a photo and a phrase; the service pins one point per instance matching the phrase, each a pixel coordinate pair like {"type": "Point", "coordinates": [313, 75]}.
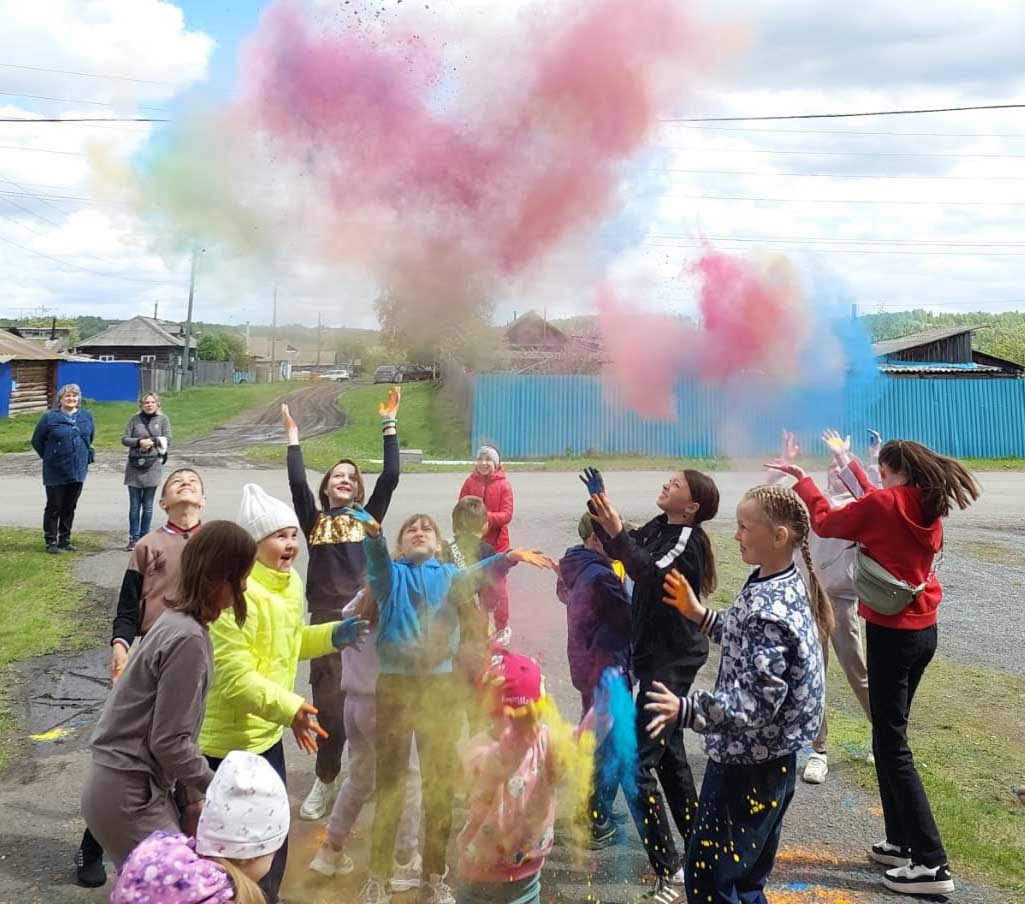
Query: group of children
{"type": "Point", "coordinates": [403, 657]}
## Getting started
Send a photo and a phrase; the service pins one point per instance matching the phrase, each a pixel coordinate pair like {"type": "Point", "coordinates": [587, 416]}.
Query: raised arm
{"type": "Point", "coordinates": [303, 500]}
{"type": "Point", "coordinates": [388, 479]}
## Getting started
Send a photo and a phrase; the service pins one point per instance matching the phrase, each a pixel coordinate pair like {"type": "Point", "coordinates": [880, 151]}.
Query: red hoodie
{"type": "Point", "coordinates": [890, 525]}
{"type": "Point", "coordinates": [497, 494]}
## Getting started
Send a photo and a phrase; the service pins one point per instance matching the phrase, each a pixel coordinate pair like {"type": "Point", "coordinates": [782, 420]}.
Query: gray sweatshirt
{"type": "Point", "coordinates": [151, 720]}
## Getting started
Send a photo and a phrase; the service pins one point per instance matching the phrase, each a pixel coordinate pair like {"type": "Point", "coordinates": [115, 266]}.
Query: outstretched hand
{"type": "Point", "coordinates": [665, 704]}
{"type": "Point", "coordinates": [350, 632]}
{"type": "Point", "coordinates": [601, 510]}
{"type": "Point", "coordinates": [358, 513]}
{"type": "Point", "coordinates": [533, 557]}
{"type": "Point", "coordinates": [790, 447]}
{"type": "Point", "coordinates": [593, 480]}
{"type": "Point", "coordinates": [875, 443]}
{"type": "Point", "coordinates": [389, 409]}
{"type": "Point", "coordinates": [306, 728]}
{"type": "Point", "coordinates": [785, 467]}
{"type": "Point", "coordinates": [680, 595]}
{"type": "Point", "coordinates": [840, 446]}
{"type": "Point", "coordinates": [291, 427]}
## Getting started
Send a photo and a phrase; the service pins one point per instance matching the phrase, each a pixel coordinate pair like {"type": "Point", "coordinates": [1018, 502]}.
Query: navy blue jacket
{"type": "Point", "coordinates": [597, 617]}
{"type": "Point", "coordinates": [64, 443]}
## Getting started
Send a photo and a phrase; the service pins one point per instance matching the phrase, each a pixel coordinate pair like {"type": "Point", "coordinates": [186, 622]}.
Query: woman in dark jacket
{"type": "Point", "coordinates": [63, 439]}
{"type": "Point", "coordinates": [146, 437]}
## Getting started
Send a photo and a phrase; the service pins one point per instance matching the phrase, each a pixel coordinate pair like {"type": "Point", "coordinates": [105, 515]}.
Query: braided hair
{"type": "Point", "coordinates": [783, 508]}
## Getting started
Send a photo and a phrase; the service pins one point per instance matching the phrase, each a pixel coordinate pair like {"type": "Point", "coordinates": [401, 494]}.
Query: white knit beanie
{"type": "Point", "coordinates": [246, 812]}
{"type": "Point", "coordinates": [261, 514]}
{"type": "Point", "coordinates": [491, 453]}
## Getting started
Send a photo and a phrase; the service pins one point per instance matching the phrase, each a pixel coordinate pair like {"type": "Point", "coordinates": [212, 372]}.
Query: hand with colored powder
{"type": "Point", "coordinates": [875, 443]}
{"type": "Point", "coordinates": [680, 595]}
{"type": "Point", "coordinates": [389, 410]}
{"type": "Point", "coordinates": [350, 632]}
{"type": "Point", "coordinates": [593, 480]}
{"type": "Point", "coordinates": [305, 727]}
{"type": "Point", "coordinates": [358, 513]}
{"type": "Point", "coordinates": [665, 704]}
{"type": "Point", "coordinates": [840, 446]}
{"type": "Point", "coordinates": [291, 427]}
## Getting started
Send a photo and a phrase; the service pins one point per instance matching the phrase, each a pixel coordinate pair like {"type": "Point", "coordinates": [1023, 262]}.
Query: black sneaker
{"type": "Point", "coordinates": [915, 879]}
{"type": "Point", "coordinates": [68, 546]}
{"type": "Point", "coordinates": [89, 871]}
{"type": "Point", "coordinates": [53, 549]}
{"type": "Point", "coordinates": [890, 854]}
{"type": "Point", "coordinates": [603, 835]}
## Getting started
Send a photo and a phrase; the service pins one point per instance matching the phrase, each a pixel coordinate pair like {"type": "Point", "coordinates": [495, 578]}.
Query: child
{"type": "Point", "coordinates": [337, 570]}
{"type": "Point", "coordinates": [598, 637]}
{"type": "Point", "coordinates": [150, 578]}
{"type": "Point", "coordinates": [245, 820]}
{"type": "Point", "coordinates": [666, 647]}
{"type": "Point", "coordinates": [899, 528]}
{"type": "Point", "coordinates": [418, 634]}
{"type": "Point", "coordinates": [466, 548]}
{"type": "Point", "coordinates": [360, 667]}
{"type": "Point", "coordinates": [252, 698]}
{"type": "Point", "coordinates": [767, 703]}
{"type": "Point", "coordinates": [512, 773]}
{"type": "Point", "coordinates": [145, 742]}
{"type": "Point", "coordinates": [488, 481]}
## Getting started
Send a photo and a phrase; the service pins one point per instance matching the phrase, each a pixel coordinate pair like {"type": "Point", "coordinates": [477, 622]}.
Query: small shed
{"type": "Point", "coordinates": [28, 375]}
{"type": "Point", "coordinates": [143, 339]}
{"type": "Point", "coordinates": [532, 331]}
{"type": "Point", "coordinates": [944, 353]}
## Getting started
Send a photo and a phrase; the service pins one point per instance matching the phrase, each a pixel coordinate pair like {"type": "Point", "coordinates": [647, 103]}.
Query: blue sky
{"type": "Point", "coordinates": [226, 23]}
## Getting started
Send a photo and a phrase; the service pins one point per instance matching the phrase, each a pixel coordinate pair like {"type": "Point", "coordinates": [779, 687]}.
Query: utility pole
{"type": "Point", "coordinates": [188, 323]}
{"type": "Point", "coordinates": [156, 308]}
{"type": "Point", "coordinates": [320, 331]}
{"type": "Point", "coordinates": [274, 336]}
{"type": "Point", "coordinates": [854, 311]}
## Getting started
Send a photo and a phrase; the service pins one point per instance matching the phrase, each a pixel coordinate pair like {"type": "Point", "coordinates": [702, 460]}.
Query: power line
{"type": "Point", "coordinates": [703, 172]}
{"type": "Point", "coordinates": [118, 78]}
{"type": "Point", "coordinates": [75, 100]}
{"type": "Point", "coordinates": [844, 115]}
{"type": "Point", "coordinates": [674, 194]}
{"type": "Point", "coordinates": [832, 241]}
{"type": "Point", "coordinates": [815, 153]}
{"type": "Point", "coordinates": [845, 132]}
{"type": "Point", "coordinates": [848, 251]}
{"type": "Point", "coordinates": [69, 120]}
{"type": "Point", "coordinates": [18, 147]}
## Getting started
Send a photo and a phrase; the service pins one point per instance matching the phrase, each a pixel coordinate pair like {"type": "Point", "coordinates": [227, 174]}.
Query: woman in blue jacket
{"type": "Point", "coordinates": [63, 439]}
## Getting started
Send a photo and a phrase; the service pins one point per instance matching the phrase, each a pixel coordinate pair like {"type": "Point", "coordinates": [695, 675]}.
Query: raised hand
{"type": "Point", "coordinates": [291, 427]}
{"type": "Point", "coordinates": [665, 704]}
{"type": "Point", "coordinates": [785, 467]}
{"type": "Point", "coordinates": [790, 447]}
{"type": "Point", "coordinates": [602, 511]}
{"type": "Point", "coordinates": [875, 443]}
{"type": "Point", "coordinates": [838, 445]}
{"type": "Point", "coordinates": [593, 480]}
{"type": "Point", "coordinates": [306, 728]}
{"type": "Point", "coordinates": [358, 513]}
{"type": "Point", "coordinates": [389, 409]}
{"type": "Point", "coordinates": [350, 632]}
{"type": "Point", "coordinates": [533, 557]}
{"type": "Point", "coordinates": [680, 595]}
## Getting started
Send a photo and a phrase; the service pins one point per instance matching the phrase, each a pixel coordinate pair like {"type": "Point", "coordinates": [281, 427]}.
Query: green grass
{"type": "Point", "coordinates": [194, 413]}
{"type": "Point", "coordinates": [989, 551]}
{"type": "Point", "coordinates": [426, 421]}
{"type": "Point", "coordinates": [40, 611]}
{"type": "Point", "coordinates": [994, 464]}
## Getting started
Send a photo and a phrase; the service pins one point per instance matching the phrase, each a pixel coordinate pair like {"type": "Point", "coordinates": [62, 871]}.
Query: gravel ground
{"type": "Point", "coordinates": [826, 831]}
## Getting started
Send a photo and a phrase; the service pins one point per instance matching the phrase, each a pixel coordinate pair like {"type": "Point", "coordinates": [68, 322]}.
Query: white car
{"type": "Point", "coordinates": [339, 376]}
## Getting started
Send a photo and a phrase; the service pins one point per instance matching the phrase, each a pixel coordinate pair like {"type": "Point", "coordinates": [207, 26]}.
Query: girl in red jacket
{"type": "Point", "coordinates": [899, 526]}
{"type": "Point", "coordinates": [488, 481]}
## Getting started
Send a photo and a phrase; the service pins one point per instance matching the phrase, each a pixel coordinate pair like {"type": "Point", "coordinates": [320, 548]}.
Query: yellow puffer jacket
{"type": "Point", "coordinates": [251, 700]}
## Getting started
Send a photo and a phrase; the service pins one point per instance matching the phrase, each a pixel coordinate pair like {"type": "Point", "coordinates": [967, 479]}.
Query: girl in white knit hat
{"type": "Point", "coordinates": [244, 823]}
{"type": "Point", "coordinates": [252, 699]}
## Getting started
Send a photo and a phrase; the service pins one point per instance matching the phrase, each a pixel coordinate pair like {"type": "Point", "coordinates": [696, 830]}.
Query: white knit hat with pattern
{"type": "Point", "coordinates": [246, 813]}
{"type": "Point", "coordinates": [262, 515]}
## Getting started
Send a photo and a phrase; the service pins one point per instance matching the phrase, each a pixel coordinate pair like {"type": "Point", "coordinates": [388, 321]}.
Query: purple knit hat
{"type": "Point", "coordinates": [165, 869]}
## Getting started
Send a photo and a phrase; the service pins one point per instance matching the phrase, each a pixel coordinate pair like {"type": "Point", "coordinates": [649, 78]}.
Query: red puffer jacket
{"type": "Point", "coordinates": [496, 491]}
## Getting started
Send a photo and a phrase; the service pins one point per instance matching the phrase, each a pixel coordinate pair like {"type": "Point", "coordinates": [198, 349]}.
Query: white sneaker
{"type": "Point", "coordinates": [330, 862]}
{"type": "Point", "coordinates": [915, 879]}
{"type": "Point", "coordinates": [406, 877]}
{"type": "Point", "coordinates": [501, 638]}
{"type": "Point", "coordinates": [816, 769]}
{"type": "Point", "coordinates": [374, 892]}
{"type": "Point", "coordinates": [438, 892]}
{"type": "Point", "coordinates": [319, 801]}
{"type": "Point", "coordinates": [665, 891]}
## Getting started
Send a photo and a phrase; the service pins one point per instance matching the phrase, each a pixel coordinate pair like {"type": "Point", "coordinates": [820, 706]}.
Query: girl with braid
{"type": "Point", "coordinates": [767, 703]}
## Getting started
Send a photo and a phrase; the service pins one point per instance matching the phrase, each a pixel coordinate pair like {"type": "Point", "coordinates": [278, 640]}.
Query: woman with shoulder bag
{"type": "Point", "coordinates": [146, 436]}
{"type": "Point", "coordinates": [899, 532]}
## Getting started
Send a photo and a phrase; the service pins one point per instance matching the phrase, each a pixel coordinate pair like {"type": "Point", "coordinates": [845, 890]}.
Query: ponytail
{"type": "Point", "coordinates": [821, 608]}
{"type": "Point", "coordinates": [706, 494]}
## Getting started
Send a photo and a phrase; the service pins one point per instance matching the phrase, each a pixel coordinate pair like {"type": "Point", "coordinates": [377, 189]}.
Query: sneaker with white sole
{"type": "Point", "coordinates": [374, 892]}
{"type": "Point", "coordinates": [437, 891]}
{"type": "Point", "coordinates": [501, 638]}
{"type": "Point", "coordinates": [915, 879]}
{"type": "Point", "coordinates": [319, 801]}
{"type": "Point", "coordinates": [330, 862]}
{"type": "Point", "coordinates": [816, 769]}
{"type": "Point", "coordinates": [890, 854]}
{"type": "Point", "coordinates": [406, 877]}
{"type": "Point", "coordinates": [665, 891]}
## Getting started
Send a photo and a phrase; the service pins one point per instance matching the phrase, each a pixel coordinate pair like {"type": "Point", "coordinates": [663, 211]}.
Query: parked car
{"type": "Point", "coordinates": [339, 376]}
{"type": "Point", "coordinates": [388, 373]}
{"type": "Point", "coordinates": [403, 373]}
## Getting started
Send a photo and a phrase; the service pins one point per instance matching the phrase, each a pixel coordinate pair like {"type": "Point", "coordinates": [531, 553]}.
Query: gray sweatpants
{"type": "Point", "coordinates": [122, 809]}
{"type": "Point", "coordinates": [358, 787]}
{"type": "Point", "coordinates": [846, 641]}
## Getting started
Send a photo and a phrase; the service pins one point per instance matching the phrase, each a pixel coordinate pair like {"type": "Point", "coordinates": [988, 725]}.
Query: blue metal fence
{"type": "Point", "coordinates": [102, 381]}
{"type": "Point", "coordinates": [546, 416]}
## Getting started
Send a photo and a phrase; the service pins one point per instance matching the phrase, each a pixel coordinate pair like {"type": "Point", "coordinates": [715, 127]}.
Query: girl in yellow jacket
{"type": "Point", "coordinates": [252, 699]}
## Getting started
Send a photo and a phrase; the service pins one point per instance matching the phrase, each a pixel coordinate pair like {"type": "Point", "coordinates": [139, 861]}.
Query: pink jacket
{"type": "Point", "coordinates": [511, 823]}
{"type": "Point", "coordinates": [165, 869]}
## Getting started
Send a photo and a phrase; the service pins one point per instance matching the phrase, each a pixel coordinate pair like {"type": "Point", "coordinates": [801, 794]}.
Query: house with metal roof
{"type": "Point", "coordinates": [944, 353]}
{"type": "Point", "coordinates": [143, 339]}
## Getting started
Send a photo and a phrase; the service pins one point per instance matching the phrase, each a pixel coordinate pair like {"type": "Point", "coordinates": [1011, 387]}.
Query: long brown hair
{"type": "Point", "coordinates": [943, 481]}
{"type": "Point", "coordinates": [782, 507]}
{"type": "Point", "coordinates": [358, 498]}
{"type": "Point", "coordinates": [220, 551]}
{"type": "Point", "coordinates": [706, 494]}
{"type": "Point", "coordinates": [246, 890]}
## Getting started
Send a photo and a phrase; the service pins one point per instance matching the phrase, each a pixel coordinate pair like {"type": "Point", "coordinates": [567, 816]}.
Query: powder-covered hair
{"type": "Point", "coordinates": [782, 507]}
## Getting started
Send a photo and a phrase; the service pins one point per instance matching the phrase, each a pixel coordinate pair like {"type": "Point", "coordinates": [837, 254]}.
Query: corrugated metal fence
{"type": "Point", "coordinates": [548, 416]}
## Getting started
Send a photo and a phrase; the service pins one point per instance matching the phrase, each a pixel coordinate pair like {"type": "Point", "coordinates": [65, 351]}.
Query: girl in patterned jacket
{"type": "Point", "coordinates": [767, 703]}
